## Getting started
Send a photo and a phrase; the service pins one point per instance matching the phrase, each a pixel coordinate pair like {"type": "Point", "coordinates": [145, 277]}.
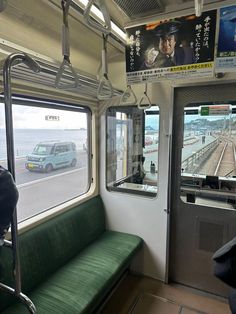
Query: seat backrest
{"type": "Point", "coordinates": [52, 244]}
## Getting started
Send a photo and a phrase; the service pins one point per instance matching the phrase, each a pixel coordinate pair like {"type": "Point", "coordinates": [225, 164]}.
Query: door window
{"type": "Point", "coordinates": [132, 150]}
{"type": "Point", "coordinates": [209, 155]}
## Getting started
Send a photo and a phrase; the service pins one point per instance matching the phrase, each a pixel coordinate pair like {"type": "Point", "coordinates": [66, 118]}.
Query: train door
{"type": "Point", "coordinates": [203, 183]}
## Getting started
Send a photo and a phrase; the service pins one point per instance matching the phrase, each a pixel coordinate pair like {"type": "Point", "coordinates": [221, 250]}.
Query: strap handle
{"type": "Point", "coordinates": [104, 83]}
{"type": "Point", "coordinates": [106, 28]}
{"type": "Point", "coordinates": [66, 65]}
{"type": "Point", "coordinates": [126, 98]}
{"type": "Point", "coordinates": [105, 89]}
{"type": "Point", "coordinates": [65, 69]}
{"type": "Point", "coordinates": [145, 102]}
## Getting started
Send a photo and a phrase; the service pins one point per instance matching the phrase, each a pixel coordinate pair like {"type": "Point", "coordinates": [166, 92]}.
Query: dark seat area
{"type": "Point", "coordinates": [69, 263]}
{"type": "Point", "coordinates": [225, 269]}
{"type": "Point", "coordinates": [8, 200]}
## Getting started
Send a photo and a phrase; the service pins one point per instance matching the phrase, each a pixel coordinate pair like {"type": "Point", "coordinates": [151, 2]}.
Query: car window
{"type": "Point", "coordinates": [43, 150]}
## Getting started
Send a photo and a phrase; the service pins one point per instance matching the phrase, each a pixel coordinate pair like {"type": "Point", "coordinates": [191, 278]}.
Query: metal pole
{"type": "Point", "coordinates": [12, 60]}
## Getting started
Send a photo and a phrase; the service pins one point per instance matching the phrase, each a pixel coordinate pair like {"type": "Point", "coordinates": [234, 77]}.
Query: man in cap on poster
{"type": "Point", "coordinates": [168, 53]}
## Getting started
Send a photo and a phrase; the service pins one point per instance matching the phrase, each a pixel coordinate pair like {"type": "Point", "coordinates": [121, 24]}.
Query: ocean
{"type": "Point", "coordinates": [26, 139]}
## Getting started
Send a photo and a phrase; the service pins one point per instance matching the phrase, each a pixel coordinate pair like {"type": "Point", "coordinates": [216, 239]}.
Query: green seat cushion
{"type": "Point", "coordinates": [80, 285]}
{"type": "Point", "coordinates": [50, 245]}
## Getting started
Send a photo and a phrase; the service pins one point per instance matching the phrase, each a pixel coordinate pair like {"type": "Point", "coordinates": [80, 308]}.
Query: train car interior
{"type": "Point", "coordinates": [117, 156]}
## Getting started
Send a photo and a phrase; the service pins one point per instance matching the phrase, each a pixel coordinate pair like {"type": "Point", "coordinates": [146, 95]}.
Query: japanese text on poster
{"type": "Point", "coordinates": [170, 49]}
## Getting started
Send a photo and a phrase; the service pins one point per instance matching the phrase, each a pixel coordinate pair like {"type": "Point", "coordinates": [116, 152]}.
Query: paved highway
{"type": "Point", "coordinates": [25, 176]}
{"type": "Point", "coordinates": [40, 191]}
{"type": "Point", "coordinates": [47, 192]}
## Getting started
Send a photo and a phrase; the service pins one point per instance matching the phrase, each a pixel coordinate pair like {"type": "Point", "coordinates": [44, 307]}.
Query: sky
{"type": "Point", "coordinates": [25, 117]}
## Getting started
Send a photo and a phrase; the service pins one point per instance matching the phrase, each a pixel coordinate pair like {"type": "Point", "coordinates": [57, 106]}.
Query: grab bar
{"type": "Point", "coordinates": [127, 95]}
{"type": "Point", "coordinates": [106, 29]}
{"type": "Point", "coordinates": [66, 64]}
{"type": "Point", "coordinates": [12, 60]}
{"type": "Point", "coordinates": [104, 82]}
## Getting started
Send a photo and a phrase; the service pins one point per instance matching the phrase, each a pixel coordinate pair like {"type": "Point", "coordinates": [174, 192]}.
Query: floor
{"type": "Point", "coordinates": [137, 293]}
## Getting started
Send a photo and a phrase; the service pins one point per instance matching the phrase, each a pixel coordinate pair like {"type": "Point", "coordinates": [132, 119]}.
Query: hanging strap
{"type": "Point", "coordinates": [106, 28]}
{"type": "Point", "coordinates": [105, 89]}
{"type": "Point", "coordinates": [66, 69]}
{"type": "Point", "coordinates": [145, 102]}
{"type": "Point", "coordinates": [3, 5]}
{"type": "Point", "coordinates": [128, 97]}
{"type": "Point", "coordinates": [198, 7]}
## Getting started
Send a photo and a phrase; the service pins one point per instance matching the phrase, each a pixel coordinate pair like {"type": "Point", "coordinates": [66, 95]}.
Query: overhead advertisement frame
{"type": "Point", "coordinates": [226, 49]}
{"type": "Point", "coordinates": [168, 49]}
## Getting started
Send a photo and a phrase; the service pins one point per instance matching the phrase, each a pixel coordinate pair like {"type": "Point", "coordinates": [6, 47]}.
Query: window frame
{"type": "Point", "coordinates": [196, 181]}
{"type": "Point", "coordinates": [40, 102]}
{"type": "Point", "coordinates": [146, 194]}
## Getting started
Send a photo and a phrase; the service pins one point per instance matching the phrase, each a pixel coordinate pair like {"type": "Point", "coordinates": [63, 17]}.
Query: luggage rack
{"type": "Point", "coordinates": [88, 84]}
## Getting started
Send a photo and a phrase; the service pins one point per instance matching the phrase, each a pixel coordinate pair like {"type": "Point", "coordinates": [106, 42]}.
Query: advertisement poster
{"type": "Point", "coordinates": [170, 49]}
{"type": "Point", "coordinates": [226, 52]}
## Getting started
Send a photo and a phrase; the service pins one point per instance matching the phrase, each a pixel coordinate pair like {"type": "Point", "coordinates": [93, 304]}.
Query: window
{"type": "Point", "coordinates": [132, 150]}
{"type": "Point", "coordinates": [209, 155]}
{"type": "Point", "coordinates": [52, 165]}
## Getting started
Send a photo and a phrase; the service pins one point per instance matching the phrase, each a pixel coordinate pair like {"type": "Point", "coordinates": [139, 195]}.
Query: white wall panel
{"type": "Point", "coordinates": [137, 214]}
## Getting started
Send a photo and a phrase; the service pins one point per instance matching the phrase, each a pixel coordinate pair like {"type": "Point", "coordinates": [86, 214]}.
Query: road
{"type": "Point", "coordinates": [45, 193]}
{"type": "Point", "coordinates": [189, 149]}
{"type": "Point", "coordinates": [25, 176]}
{"type": "Point", "coordinates": [41, 191]}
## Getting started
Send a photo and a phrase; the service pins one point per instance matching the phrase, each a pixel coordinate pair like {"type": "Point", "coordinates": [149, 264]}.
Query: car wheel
{"type": "Point", "coordinates": [48, 168]}
{"type": "Point", "coordinates": [73, 163]}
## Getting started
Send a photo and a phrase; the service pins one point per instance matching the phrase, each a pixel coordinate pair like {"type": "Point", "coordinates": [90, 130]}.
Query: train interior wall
{"type": "Point", "coordinates": [36, 25]}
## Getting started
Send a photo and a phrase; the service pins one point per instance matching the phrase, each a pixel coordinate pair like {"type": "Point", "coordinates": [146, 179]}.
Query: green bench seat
{"type": "Point", "coordinates": [70, 263]}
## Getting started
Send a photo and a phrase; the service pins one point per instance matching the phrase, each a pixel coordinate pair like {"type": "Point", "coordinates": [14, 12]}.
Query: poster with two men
{"type": "Point", "coordinates": [176, 48]}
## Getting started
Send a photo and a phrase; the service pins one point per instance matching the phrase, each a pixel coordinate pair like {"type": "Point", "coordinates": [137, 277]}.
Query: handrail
{"type": "Point", "coordinates": [12, 60]}
{"type": "Point", "coordinates": [22, 297]}
{"type": "Point", "coordinates": [105, 80]}
{"type": "Point", "coordinates": [198, 155]}
{"type": "Point", "coordinates": [126, 96]}
{"type": "Point", "coordinates": [145, 102]}
{"type": "Point", "coordinates": [106, 29]}
{"type": "Point", "coordinates": [66, 64]}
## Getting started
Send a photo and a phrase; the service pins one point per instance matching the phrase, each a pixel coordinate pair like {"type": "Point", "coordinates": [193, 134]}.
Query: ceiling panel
{"type": "Point", "coordinates": [128, 12]}
{"type": "Point", "coordinates": [140, 8]}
